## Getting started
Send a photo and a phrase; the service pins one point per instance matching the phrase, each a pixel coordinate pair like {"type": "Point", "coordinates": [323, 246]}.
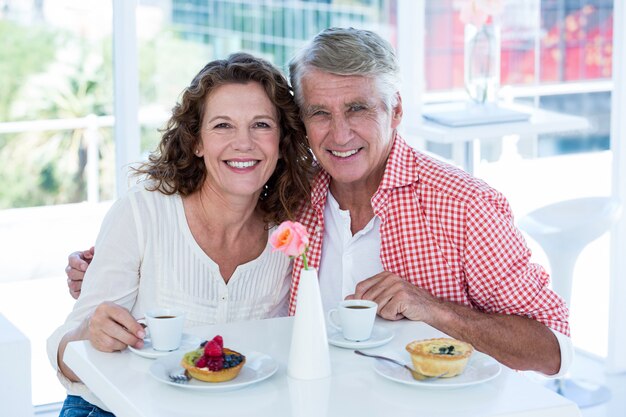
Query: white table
{"type": "Point", "coordinates": [121, 381]}
{"type": "Point", "coordinates": [463, 139]}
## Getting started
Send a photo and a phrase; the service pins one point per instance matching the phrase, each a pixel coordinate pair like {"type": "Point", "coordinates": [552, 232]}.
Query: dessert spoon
{"type": "Point", "coordinates": [418, 376]}
{"type": "Point", "coordinates": [179, 377]}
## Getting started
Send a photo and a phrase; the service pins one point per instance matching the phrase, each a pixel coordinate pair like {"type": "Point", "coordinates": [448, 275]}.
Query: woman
{"type": "Point", "coordinates": [232, 163]}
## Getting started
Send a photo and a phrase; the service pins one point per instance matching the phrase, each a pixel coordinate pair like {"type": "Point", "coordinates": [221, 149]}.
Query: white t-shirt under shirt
{"type": "Point", "coordinates": [146, 257]}
{"type": "Point", "coordinates": [346, 259]}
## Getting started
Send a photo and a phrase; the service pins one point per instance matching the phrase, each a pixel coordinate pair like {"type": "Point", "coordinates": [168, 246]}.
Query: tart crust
{"type": "Point", "coordinates": [204, 374]}
{"type": "Point", "coordinates": [434, 357]}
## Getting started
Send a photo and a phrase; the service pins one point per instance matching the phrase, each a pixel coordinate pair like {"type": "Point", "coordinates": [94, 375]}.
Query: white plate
{"type": "Point", "coordinates": [481, 368]}
{"type": "Point", "coordinates": [187, 343]}
{"type": "Point", "coordinates": [379, 337]}
{"type": "Point", "coordinates": [258, 367]}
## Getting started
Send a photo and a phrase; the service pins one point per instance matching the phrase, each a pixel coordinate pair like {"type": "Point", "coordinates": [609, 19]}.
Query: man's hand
{"type": "Point", "coordinates": [112, 327]}
{"type": "Point", "coordinates": [518, 342]}
{"type": "Point", "coordinates": [396, 298]}
{"type": "Point", "coordinates": [77, 264]}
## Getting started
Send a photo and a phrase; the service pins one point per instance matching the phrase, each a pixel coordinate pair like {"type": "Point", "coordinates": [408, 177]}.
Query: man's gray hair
{"type": "Point", "coordinates": [349, 51]}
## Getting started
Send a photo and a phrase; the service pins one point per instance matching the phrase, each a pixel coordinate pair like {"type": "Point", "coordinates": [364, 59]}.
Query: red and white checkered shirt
{"type": "Point", "coordinates": [447, 232]}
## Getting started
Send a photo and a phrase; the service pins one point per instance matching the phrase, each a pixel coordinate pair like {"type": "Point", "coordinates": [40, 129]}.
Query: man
{"type": "Point", "coordinates": [423, 239]}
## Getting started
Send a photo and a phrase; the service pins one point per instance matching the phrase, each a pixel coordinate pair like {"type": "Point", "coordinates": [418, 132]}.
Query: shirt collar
{"type": "Point", "coordinates": [400, 170]}
{"type": "Point", "coordinates": [319, 188]}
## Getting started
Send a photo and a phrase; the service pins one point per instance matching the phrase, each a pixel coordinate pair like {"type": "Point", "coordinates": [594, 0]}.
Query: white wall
{"type": "Point", "coordinates": [15, 386]}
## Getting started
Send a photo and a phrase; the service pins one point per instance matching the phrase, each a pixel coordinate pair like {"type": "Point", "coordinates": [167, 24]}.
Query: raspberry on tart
{"type": "Point", "coordinates": [211, 362]}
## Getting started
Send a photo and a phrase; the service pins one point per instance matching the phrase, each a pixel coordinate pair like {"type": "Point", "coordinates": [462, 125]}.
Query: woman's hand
{"type": "Point", "coordinates": [112, 327]}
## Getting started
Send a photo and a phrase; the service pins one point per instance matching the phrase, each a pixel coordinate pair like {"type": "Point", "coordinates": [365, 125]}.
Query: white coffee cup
{"type": "Point", "coordinates": [166, 328]}
{"type": "Point", "coordinates": [356, 319]}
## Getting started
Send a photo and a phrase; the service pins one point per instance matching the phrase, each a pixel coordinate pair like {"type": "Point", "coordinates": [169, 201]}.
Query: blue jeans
{"type": "Point", "coordinates": [75, 406]}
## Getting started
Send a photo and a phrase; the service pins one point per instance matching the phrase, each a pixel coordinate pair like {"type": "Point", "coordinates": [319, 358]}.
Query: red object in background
{"type": "Point", "coordinates": [586, 46]}
{"type": "Point", "coordinates": [443, 69]}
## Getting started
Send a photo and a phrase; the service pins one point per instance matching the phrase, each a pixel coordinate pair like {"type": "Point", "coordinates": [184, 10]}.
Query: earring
{"type": "Point", "coordinates": [265, 192]}
{"type": "Point", "coordinates": [197, 152]}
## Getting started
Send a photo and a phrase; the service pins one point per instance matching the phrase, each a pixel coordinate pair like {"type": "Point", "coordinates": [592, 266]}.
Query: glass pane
{"type": "Point", "coordinates": [595, 107]}
{"type": "Point", "coordinates": [519, 33]}
{"type": "Point", "coordinates": [198, 31]}
{"type": "Point", "coordinates": [56, 97]}
{"type": "Point", "coordinates": [443, 46]}
{"type": "Point", "coordinates": [55, 63]}
{"type": "Point", "coordinates": [575, 38]}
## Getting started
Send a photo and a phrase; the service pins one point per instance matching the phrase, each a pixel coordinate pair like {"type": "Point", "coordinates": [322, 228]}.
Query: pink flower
{"type": "Point", "coordinates": [292, 239]}
{"type": "Point", "coordinates": [476, 12]}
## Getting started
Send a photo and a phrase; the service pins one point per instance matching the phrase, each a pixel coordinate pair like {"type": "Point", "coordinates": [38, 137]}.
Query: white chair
{"type": "Point", "coordinates": [563, 230]}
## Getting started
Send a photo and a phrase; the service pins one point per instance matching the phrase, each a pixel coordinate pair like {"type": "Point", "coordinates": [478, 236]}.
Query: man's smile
{"type": "Point", "coordinates": [344, 154]}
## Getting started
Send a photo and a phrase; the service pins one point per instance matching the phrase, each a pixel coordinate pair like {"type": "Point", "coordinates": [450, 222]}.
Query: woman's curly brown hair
{"type": "Point", "coordinates": [175, 169]}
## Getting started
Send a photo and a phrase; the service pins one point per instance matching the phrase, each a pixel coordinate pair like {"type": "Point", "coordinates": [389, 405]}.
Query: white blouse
{"type": "Point", "coordinates": [146, 257]}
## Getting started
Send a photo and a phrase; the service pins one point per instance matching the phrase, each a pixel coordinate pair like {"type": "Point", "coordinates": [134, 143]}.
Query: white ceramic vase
{"type": "Point", "coordinates": [308, 356]}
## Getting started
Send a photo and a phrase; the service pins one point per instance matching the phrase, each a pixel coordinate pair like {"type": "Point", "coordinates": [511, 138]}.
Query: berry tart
{"type": "Point", "coordinates": [434, 357]}
{"type": "Point", "coordinates": [211, 362]}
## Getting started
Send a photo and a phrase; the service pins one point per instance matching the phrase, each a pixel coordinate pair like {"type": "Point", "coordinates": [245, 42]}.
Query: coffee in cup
{"type": "Point", "coordinates": [356, 319]}
{"type": "Point", "coordinates": [166, 328]}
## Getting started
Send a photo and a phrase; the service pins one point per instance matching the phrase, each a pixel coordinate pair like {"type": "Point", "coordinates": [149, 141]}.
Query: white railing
{"type": "Point", "coordinates": [91, 125]}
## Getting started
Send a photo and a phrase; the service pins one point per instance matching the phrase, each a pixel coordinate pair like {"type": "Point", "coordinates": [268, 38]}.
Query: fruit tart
{"type": "Point", "coordinates": [211, 362]}
{"type": "Point", "coordinates": [434, 357]}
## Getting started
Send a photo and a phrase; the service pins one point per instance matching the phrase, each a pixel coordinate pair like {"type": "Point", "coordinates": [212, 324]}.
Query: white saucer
{"type": "Point", "coordinates": [379, 337]}
{"type": "Point", "coordinates": [187, 343]}
{"type": "Point", "coordinates": [258, 367]}
{"type": "Point", "coordinates": [481, 368]}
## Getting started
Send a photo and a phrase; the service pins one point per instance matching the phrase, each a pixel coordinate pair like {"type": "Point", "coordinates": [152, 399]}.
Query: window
{"type": "Point", "coordinates": [558, 51]}
{"type": "Point", "coordinates": [56, 98]}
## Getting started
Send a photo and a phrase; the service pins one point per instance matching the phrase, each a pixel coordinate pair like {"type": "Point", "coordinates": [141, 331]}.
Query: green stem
{"type": "Point", "coordinates": [304, 261]}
